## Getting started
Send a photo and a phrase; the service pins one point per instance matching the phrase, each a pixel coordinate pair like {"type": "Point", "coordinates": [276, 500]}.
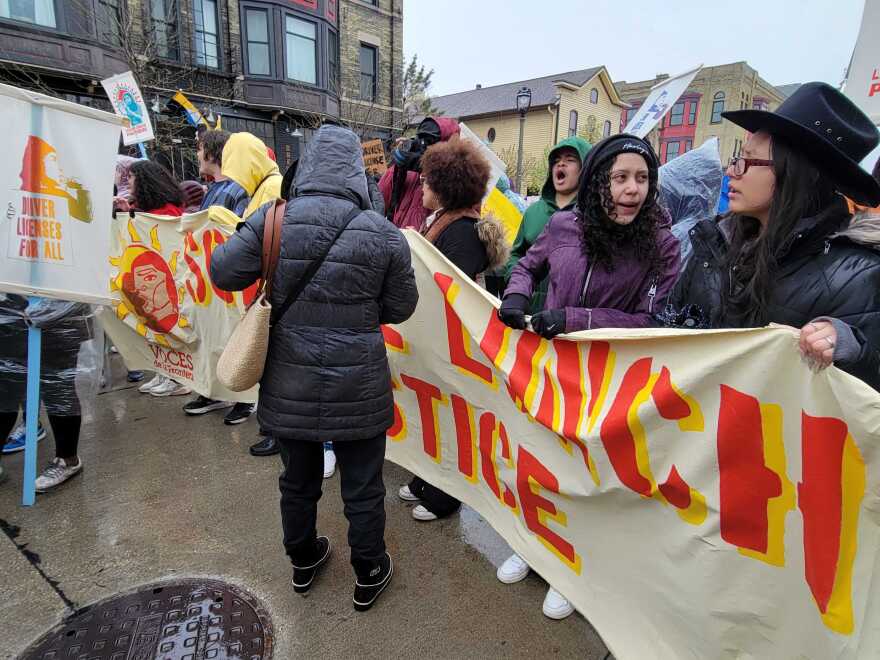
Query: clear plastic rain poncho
{"type": "Point", "coordinates": [72, 353]}
{"type": "Point", "coordinates": [689, 189]}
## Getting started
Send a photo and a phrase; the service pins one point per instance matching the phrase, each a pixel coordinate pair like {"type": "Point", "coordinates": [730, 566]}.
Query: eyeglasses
{"type": "Point", "coordinates": [741, 165]}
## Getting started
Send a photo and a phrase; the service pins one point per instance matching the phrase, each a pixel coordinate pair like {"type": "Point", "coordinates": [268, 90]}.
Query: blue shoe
{"type": "Point", "coordinates": [15, 441]}
{"type": "Point", "coordinates": [135, 376]}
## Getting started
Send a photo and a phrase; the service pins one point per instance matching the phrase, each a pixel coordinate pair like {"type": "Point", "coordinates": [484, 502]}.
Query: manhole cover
{"type": "Point", "coordinates": [187, 619]}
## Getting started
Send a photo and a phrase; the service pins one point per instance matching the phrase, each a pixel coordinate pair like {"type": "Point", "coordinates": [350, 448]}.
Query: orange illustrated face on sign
{"type": "Point", "coordinates": [41, 173]}
{"type": "Point", "coordinates": [146, 282]}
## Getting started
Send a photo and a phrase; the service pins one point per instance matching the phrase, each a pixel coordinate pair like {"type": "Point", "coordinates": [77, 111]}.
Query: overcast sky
{"type": "Point", "coordinates": [497, 41]}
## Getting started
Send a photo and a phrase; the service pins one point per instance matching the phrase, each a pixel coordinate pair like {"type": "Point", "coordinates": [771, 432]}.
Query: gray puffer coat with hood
{"type": "Point", "coordinates": [327, 375]}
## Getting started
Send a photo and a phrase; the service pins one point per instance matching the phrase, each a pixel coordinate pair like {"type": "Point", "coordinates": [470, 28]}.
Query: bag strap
{"type": "Point", "coordinates": [312, 269]}
{"type": "Point", "coordinates": [271, 245]}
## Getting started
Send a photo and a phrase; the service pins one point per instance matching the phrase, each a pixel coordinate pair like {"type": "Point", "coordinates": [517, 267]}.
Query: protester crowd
{"type": "Point", "coordinates": [609, 244]}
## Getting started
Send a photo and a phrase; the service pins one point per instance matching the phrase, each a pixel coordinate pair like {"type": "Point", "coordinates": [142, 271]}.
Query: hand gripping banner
{"type": "Point", "coordinates": [693, 494]}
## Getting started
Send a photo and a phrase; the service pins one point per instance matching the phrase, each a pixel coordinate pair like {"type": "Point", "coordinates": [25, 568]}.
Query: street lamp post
{"type": "Point", "coordinates": [523, 102]}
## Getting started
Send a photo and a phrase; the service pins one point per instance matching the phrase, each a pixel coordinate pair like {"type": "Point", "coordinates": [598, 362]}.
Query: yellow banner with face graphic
{"type": "Point", "coordinates": [166, 313]}
{"type": "Point", "coordinates": [693, 494]}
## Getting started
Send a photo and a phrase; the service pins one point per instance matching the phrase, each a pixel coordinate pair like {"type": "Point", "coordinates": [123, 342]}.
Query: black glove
{"type": "Point", "coordinates": [549, 323]}
{"type": "Point", "coordinates": [513, 311]}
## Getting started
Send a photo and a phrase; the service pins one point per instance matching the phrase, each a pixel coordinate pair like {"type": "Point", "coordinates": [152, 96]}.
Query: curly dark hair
{"type": "Point", "coordinates": [457, 173]}
{"type": "Point", "coordinates": [212, 144]}
{"type": "Point", "coordinates": [603, 238]}
{"type": "Point", "coordinates": [154, 186]}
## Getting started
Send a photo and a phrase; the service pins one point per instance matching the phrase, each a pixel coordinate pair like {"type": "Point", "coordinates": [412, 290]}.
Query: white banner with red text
{"type": "Point", "coordinates": [695, 494]}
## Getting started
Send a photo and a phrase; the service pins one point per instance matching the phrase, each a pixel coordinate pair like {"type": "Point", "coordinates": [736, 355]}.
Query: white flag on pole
{"type": "Point", "coordinates": [125, 95]}
{"type": "Point", "coordinates": [662, 97]}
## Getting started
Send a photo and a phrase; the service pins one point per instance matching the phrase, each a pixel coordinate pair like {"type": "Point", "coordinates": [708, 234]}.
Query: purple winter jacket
{"type": "Point", "coordinates": [592, 296]}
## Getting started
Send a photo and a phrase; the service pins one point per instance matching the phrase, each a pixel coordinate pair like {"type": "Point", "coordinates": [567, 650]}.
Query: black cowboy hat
{"type": "Point", "coordinates": [829, 129]}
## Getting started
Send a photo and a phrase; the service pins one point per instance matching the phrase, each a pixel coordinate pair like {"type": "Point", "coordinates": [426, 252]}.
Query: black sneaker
{"type": "Point", "coordinates": [303, 576]}
{"type": "Point", "coordinates": [239, 413]}
{"type": "Point", "coordinates": [267, 446]}
{"type": "Point", "coordinates": [367, 588]}
{"type": "Point", "coordinates": [203, 405]}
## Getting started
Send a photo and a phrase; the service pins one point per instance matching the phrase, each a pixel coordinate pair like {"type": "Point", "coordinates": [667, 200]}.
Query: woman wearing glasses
{"type": "Point", "coordinates": [789, 251]}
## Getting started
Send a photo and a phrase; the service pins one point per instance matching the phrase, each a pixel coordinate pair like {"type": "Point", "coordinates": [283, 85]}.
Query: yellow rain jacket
{"type": "Point", "coordinates": [246, 161]}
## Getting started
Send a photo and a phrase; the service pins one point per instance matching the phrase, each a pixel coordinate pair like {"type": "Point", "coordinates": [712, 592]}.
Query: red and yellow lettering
{"type": "Point", "coordinates": [495, 340]}
{"type": "Point", "coordinates": [747, 484]}
{"type": "Point", "coordinates": [531, 477]}
{"type": "Point", "coordinates": [491, 432]}
{"type": "Point", "coordinates": [600, 367]}
{"type": "Point", "coordinates": [466, 437]}
{"type": "Point", "coordinates": [394, 340]}
{"type": "Point", "coordinates": [830, 497]}
{"type": "Point", "coordinates": [672, 403]}
{"type": "Point", "coordinates": [459, 342]}
{"type": "Point", "coordinates": [523, 379]}
{"type": "Point", "coordinates": [428, 397]}
{"type": "Point", "coordinates": [397, 432]}
{"type": "Point", "coordinates": [201, 292]}
{"type": "Point", "coordinates": [622, 433]}
{"type": "Point", "coordinates": [210, 240]}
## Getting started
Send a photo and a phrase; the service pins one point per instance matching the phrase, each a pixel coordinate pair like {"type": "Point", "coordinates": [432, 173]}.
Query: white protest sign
{"type": "Point", "coordinates": [662, 97]}
{"type": "Point", "coordinates": [57, 185]}
{"type": "Point", "coordinates": [125, 95]}
{"type": "Point", "coordinates": [496, 165]}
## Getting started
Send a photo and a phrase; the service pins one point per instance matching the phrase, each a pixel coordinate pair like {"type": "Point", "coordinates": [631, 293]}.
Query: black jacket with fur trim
{"type": "Point", "coordinates": [829, 268]}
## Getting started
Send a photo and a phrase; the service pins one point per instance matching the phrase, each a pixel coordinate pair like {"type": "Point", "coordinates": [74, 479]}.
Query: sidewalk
{"type": "Point", "coordinates": [163, 495]}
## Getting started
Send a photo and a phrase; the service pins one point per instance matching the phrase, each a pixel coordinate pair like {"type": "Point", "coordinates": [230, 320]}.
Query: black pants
{"type": "Point", "coordinates": [363, 492]}
{"type": "Point", "coordinates": [433, 499]}
{"type": "Point", "coordinates": [65, 429]}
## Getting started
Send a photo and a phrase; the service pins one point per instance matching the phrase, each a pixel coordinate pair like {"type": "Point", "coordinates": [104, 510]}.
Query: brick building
{"type": "Point", "coordinates": [276, 68]}
{"type": "Point", "coordinates": [582, 102]}
{"type": "Point", "coordinates": [696, 116]}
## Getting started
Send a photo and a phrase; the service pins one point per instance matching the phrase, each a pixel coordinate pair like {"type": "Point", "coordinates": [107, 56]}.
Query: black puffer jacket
{"type": "Point", "coordinates": [327, 374]}
{"type": "Point", "coordinates": [826, 269]}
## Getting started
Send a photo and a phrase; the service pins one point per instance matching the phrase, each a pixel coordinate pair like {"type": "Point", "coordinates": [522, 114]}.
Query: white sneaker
{"type": "Point", "coordinates": [170, 388]}
{"type": "Point", "coordinates": [329, 463]}
{"type": "Point", "coordinates": [419, 512]}
{"type": "Point", "coordinates": [147, 387]}
{"type": "Point", "coordinates": [56, 473]}
{"type": "Point", "coordinates": [514, 569]}
{"type": "Point", "coordinates": [556, 606]}
{"type": "Point", "coordinates": [406, 494]}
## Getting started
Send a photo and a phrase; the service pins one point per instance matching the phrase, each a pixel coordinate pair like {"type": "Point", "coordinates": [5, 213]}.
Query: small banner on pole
{"type": "Point", "coordinates": [57, 183]}
{"type": "Point", "coordinates": [662, 97]}
{"type": "Point", "coordinates": [125, 95]}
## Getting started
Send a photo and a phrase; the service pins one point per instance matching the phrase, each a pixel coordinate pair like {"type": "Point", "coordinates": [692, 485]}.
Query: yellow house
{"type": "Point", "coordinates": [583, 102]}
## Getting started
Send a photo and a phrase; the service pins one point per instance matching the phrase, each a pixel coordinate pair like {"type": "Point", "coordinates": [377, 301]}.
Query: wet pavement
{"type": "Point", "coordinates": [163, 495]}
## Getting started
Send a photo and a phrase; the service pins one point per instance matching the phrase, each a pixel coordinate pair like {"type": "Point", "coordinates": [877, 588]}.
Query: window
{"type": "Point", "coordinates": [672, 150]}
{"type": "Point", "coordinates": [257, 34]}
{"type": "Point", "coordinates": [333, 60]}
{"type": "Point", "coordinates": [302, 46]}
{"type": "Point", "coordinates": [630, 113]}
{"type": "Point", "coordinates": [717, 107]}
{"type": "Point", "coordinates": [606, 129]}
{"type": "Point", "coordinates": [676, 115]}
{"type": "Point", "coordinates": [688, 145]}
{"type": "Point", "coordinates": [163, 19]}
{"type": "Point", "coordinates": [692, 113]}
{"type": "Point", "coordinates": [490, 136]}
{"type": "Point", "coordinates": [205, 18]}
{"type": "Point", "coordinates": [38, 12]}
{"type": "Point", "coordinates": [109, 18]}
{"type": "Point", "coordinates": [369, 65]}
{"type": "Point", "coordinates": [572, 123]}
{"type": "Point", "coordinates": [594, 95]}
